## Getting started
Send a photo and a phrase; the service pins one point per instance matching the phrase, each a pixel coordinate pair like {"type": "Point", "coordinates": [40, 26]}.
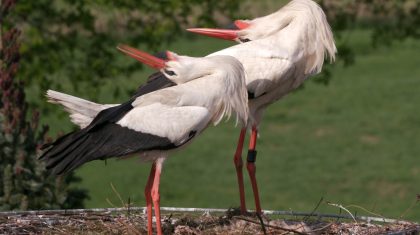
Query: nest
{"type": "Point", "coordinates": [230, 222]}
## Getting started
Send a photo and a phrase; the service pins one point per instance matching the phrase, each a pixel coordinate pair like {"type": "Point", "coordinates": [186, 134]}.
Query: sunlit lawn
{"type": "Point", "coordinates": [356, 141]}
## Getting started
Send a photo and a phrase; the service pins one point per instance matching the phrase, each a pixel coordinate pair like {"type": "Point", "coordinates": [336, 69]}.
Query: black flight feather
{"type": "Point", "coordinates": [111, 140]}
{"type": "Point", "coordinates": [101, 139]}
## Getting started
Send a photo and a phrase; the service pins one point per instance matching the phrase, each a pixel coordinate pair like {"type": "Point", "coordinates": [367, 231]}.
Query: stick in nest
{"type": "Point", "coordinates": [343, 208]}
{"type": "Point", "coordinates": [269, 225]}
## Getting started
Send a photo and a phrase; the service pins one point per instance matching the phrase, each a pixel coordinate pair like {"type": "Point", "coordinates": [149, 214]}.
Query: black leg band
{"type": "Point", "coordinates": [252, 155]}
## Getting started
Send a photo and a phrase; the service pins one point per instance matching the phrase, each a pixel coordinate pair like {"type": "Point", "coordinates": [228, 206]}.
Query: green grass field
{"type": "Point", "coordinates": [353, 142]}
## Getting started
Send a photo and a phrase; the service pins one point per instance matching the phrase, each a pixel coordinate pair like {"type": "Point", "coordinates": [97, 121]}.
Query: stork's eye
{"type": "Point", "coordinates": [169, 72]}
{"type": "Point", "coordinates": [244, 39]}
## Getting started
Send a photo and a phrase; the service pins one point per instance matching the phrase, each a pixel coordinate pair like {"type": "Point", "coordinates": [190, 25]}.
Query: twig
{"type": "Point", "coordinates": [366, 210]}
{"type": "Point", "coordinates": [322, 228]}
{"type": "Point", "coordinates": [109, 202]}
{"type": "Point", "coordinates": [410, 207]}
{"type": "Point", "coordinates": [342, 207]}
{"type": "Point", "coordinates": [262, 223]}
{"type": "Point", "coordinates": [130, 228]}
{"type": "Point", "coordinates": [338, 218]}
{"type": "Point", "coordinates": [269, 225]}
{"type": "Point", "coordinates": [313, 211]}
{"type": "Point", "coordinates": [118, 194]}
{"type": "Point", "coordinates": [128, 206]}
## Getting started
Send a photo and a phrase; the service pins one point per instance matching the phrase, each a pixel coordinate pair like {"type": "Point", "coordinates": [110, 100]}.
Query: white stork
{"type": "Point", "coordinates": [279, 52]}
{"type": "Point", "coordinates": [156, 123]}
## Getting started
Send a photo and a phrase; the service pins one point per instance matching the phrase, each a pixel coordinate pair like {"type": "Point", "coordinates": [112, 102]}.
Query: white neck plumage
{"type": "Point", "coordinates": [303, 25]}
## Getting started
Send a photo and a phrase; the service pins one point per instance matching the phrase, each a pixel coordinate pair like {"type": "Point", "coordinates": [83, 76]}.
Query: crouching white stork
{"type": "Point", "coordinates": [156, 123]}
{"type": "Point", "coordinates": [279, 52]}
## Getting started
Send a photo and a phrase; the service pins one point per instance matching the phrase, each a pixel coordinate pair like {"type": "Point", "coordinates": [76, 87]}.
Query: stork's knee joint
{"type": "Point", "coordinates": [155, 196]}
{"type": "Point", "coordinates": [147, 193]}
{"type": "Point", "coordinates": [238, 161]}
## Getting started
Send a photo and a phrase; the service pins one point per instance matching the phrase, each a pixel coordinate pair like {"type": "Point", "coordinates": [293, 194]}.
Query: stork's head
{"type": "Point", "coordinates": [243, 31]}
{"type": "Point", "coordinates": [249, 30]}
{"type": "Point", "coordinates": [179, 69]}
{"type": "Point", "coordinates": [272, 24]}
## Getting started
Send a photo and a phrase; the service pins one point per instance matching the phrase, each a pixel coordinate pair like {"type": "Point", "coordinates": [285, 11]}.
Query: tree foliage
{"type": "Point", "coordinates": [24, 182]}
{"type": "Point", "coordinates": [76, 39]}
{"type": "Point", "coordinates": [388, 20]}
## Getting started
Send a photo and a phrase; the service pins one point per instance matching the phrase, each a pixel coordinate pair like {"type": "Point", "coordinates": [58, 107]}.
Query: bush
{"type": "Point", "coordinates": [24, 182]}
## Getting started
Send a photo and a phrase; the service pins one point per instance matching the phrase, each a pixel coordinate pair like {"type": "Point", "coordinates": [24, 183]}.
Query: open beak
{"type": "Point", "coordinates": [227, 34]}
{"type": "Point", "coordinates": [143, 57]}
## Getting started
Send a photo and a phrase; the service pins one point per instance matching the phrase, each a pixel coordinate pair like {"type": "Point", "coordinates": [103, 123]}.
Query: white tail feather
{"type": "Point", "coordinates": [81, 111]}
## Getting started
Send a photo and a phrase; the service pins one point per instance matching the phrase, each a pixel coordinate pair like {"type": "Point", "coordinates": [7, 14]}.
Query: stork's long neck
{"type": "Point", "coordinates": [233, 97]}
{"type": "Point", "coordinates": [303, 28]}
{"type": "Point", "coordinates": [318, 37]}
{"type": "Point", "coordinates": [225, 89]}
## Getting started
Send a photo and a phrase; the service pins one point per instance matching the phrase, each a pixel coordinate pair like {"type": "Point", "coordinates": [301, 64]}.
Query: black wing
{"type": "Point", "coordinates": [112, 140]}
{"type": "Point", "coordinates": [101, 139]}
{"type": "Point", "coordinates": [104, 117]}
{"type": "Point", "coordinates": [155, 82]}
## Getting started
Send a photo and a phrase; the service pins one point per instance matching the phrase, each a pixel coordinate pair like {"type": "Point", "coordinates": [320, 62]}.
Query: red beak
{"type": "Point", "coordinates": [143, 57]}
{"type": "Point", "coordinates": [227, 34]}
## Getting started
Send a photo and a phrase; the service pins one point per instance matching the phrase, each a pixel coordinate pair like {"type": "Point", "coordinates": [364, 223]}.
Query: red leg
{"type": "Point", "coordinates": [156, 196]}
{"type": "Point", "coordinates": [148, 195]}
{"type": "Point", "coordinates": [238, 165]}
{"type": "Point", "coordinates": [252, 154]}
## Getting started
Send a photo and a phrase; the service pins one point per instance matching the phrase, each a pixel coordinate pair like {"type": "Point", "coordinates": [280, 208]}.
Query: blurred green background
{"type": "Point", "coordinates": [353, 141]}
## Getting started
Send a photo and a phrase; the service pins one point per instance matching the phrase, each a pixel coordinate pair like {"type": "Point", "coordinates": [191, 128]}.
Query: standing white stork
{"type": "Point", "coordinates": [279, 52]}
{"type": "Point", "coordinates": [154, 124]}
